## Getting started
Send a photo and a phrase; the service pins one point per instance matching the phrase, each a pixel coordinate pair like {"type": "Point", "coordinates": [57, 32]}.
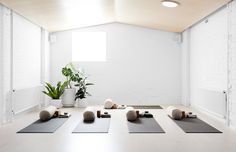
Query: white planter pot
{"type": "Point", "coordinates": [68, 97]}
{"type": "Point", "coordinates": [81, 103]}
{"type": "Point", "coordinates": [55, 102]}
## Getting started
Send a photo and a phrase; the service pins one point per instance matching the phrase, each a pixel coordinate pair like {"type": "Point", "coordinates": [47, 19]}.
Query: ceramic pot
{"type": "Point", "coordinates": [81, 103]}
{"type": "Point", "coordinates": [68, 97]}
{"type": "Point", "coordinates": [55, 102]}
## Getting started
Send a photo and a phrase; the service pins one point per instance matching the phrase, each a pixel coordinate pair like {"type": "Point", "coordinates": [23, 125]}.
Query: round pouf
{"type": "Point", "coordinates": [174, 113]}
{"type": "Point", "coordinates": [177, 114]}
{"type": "Point", "coordinates": [131, 115]}
{"type": "Point", "coordinates": [47, 113]}
{"type": "Point", "coordinates": [89, 114]}
{"type": "Point", "coordinates": [108, 104]}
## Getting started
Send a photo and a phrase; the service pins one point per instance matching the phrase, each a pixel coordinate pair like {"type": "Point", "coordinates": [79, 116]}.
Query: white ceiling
{"type": "Point", "coordinates": [57, 15]}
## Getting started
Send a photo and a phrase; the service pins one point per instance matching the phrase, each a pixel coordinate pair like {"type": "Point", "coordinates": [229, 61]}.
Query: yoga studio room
{"type": "Point", "coordinates": [117, 75]}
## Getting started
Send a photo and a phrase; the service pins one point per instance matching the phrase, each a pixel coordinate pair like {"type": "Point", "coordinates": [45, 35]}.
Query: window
{"type": "Point", "coordinates": [89, 46]}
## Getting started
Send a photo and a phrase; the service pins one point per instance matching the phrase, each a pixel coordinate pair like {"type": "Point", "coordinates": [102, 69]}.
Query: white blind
{"type": "Point", "coordinates": [26, 53]}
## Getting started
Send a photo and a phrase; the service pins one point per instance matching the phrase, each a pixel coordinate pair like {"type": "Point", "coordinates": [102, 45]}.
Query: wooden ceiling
{"type": "Point", "coordinates": [58, 15]}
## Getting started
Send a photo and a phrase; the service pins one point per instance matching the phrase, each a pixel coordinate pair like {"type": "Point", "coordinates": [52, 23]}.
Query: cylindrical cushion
{"type": "Point", "coordinates": [131, 115]}
{"type": "Point", "coordinates": [174, 113]}
{"type": "Point", "coordinates": [47, 113]}
{"type": "Point", "coordinates": [177, 114]}
{"type": "Point", "coordinates": [89, 114]}
{"type": "Point", "coordinates": [108, 104]}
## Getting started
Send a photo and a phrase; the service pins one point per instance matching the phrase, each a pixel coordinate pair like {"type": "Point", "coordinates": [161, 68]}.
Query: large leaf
{"type": "Point", "coordinates": [55, 92]}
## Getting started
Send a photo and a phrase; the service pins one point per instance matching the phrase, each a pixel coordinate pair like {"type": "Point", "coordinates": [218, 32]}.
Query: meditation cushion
{"type": "Point", "coordinates": [174, 113]}
{"type": "Point", "coordinates": [47, 113]}
{"type": "Point", "coordinates": [131, 115]}
{"type": "Point", "coordinates": [89, 114]}
{"type": "Point", "coordinates": [108, 104]}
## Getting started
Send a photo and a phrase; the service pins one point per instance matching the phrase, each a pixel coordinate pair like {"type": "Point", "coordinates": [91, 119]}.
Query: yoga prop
{"type": "Point", "coordinates": [108, 104]}
{"type": "Point", "coordinates": [121, 107]}
{"type": "Point", "coordinates": [145, 106]}
{"type": "Point", "coordinates": [99, 125]}
{"type": "Point", "coordinates": [146, 115]}
{"type": "Point", "coordinates": [47, 113]}
{"type": "Point", "coordinates": [144, 125]}
{"type": "Point", "coordinates": [98, 113]}
{"type": "Point", "coordinates": [89, 114]}
{"type": "Point", "coordinates": [49, 126]}
{"type": "Point", "coordinates": [137, 112]}
{"type": "Point", "coordinates": [131, 115]}
{"type": "Point", "coordinates": [195, 125]}
{"type": "Point", "coordinates": [174, 113]}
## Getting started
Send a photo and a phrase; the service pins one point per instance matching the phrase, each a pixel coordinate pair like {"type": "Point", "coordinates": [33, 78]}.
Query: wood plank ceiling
{"type": "Point", "coordinates": [58, 15]}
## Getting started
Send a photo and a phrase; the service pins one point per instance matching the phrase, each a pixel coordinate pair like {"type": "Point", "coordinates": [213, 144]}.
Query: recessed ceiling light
{"type": "Point", "coordinates": [168, 3]}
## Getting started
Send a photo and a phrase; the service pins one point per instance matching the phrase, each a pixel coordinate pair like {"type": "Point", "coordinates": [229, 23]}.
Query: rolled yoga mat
{"type": "Point", "coordinates": [99, 125]}
{"type": "Point", "coordinates": [195, 125]}
{"type": "Point", "coordinates": [144, 125]}
{"type": "Point", "coordinates": [49, 126]}
{"type": "Point", "coordinates": [145, 106]}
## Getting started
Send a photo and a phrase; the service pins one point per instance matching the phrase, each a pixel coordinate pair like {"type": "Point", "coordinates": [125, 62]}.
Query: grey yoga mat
{"type": "Point", "coordinates": [49, 126]}
{"type": "Point", "coordinates": [100, 125]}
{"type": "Point", "coordinates": [144, 125]}
{"type": "Point", "coordinates": [145, 106]}
{"type": "Point", "coordinates": [195, 125]}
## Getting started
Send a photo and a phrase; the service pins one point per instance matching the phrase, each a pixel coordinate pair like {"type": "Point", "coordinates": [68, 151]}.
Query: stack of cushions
{"type": "Point", "coordinates": [174, 113]}
{"type": "Point", "coordinates": [47, 113]}
{"type": "Point", "coordinates": [89, 114]}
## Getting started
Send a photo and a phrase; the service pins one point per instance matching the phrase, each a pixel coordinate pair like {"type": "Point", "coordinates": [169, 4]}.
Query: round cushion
{"type": "Point", "coordinates": [47, 113]}
{"type": "Point", "coordinates": [131, 115]}
{"type": "Point", "coordinates": [177, 114]}
{"type": "Point", "coordinates": [174, 113]}
{"type": "Point", "coordinates": [89, 114]}
{"type": "Point", "coordinates": [108, 104]}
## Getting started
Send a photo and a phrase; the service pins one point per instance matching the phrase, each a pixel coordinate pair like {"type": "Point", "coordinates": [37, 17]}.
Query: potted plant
{"type": "Point", "coordinates": [55, 92]}
{"type": "Point", "coordinates": [72, 75]}
{"type": "Point", "coordinates": [82, 92]}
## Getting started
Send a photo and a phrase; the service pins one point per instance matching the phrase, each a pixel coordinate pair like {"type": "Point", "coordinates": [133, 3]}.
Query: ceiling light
{"type": "Point", "coordinates": [168, 3]}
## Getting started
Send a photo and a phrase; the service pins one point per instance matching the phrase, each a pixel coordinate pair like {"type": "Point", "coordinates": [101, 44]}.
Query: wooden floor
{"type": "Point", "coordinates": [118, 139]}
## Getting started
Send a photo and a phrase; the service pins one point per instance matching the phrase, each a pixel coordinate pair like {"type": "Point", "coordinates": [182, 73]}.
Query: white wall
{"type": "Point", "coordinates": [5, 101]}
{"type": "Point", "coordinates": [185, 47]}
{"type": "Point", "coordinates": [143, 65]}
{"type": "Point", "coordinates": [20, 49]}
{"type": "Point", "coordinates": [232, 64]}
{"type": "Point", "coordinates": [45, 60]}
{"type": "Point", "coordinates": [208, 48]}
{"type": "Point", "coordinates": [26, 53]}
{"type": "Point", "coordinates": [1, 66]}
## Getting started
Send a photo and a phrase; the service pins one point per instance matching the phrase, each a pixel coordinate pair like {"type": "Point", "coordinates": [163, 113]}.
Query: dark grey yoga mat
{"type": "Point", "coordinates": [195, 125]}
{"type": "Point", "coordinates": [44, 127]}
{"type": "Point", "coordinates": [100, 125]}
{"type": "Point", "coordinates": [145, 106]}
{"type": "Point", "coordinates": [144, 125]}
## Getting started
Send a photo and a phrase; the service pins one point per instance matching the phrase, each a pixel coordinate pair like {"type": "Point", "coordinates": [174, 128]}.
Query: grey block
{"type": "Point", "coordinates": [195, 125]}
{"type": "Point", "coordinates": [99, 125]}
{"type": "Point", "coordinates": [49, 126]}
{"type": "Point", "coordinates": [144, 125]}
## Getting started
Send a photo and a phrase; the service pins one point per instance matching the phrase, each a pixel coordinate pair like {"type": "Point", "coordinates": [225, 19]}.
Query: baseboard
{"type": "Point", "coordinates": [209, 113]}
